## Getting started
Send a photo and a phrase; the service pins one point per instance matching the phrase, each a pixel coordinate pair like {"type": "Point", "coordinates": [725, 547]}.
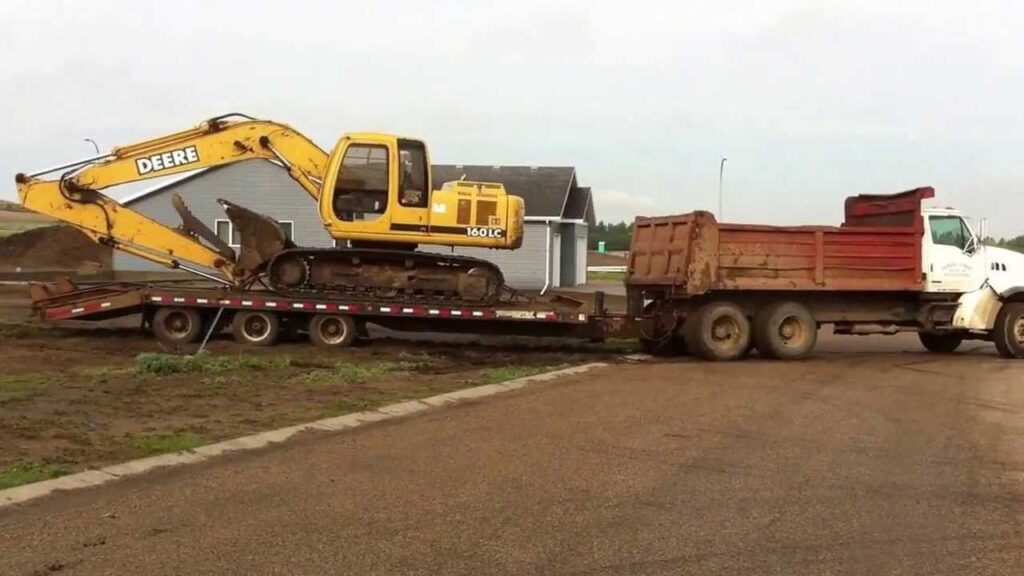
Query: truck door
{"type": "Point", "coordinates": [954, 261]}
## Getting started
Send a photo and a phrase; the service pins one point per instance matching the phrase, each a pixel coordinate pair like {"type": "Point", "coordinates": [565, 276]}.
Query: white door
{"type": "Point", "coordinates": [954, 261]}
{"type": "Point", "coordinates": [581, 260]}
{"type": "Point", "coordinates": [556, 260]}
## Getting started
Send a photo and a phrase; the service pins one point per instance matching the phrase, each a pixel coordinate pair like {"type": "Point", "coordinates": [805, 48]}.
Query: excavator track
{"type": "Point", "coordinates": [399, 275]}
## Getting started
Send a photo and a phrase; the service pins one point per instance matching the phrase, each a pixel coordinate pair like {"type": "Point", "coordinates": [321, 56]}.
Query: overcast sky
{"type": "Point", "coordinates": [811, 101]}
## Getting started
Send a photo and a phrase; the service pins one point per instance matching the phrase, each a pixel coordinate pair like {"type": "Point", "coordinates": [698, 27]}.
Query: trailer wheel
{"type": "Point", "coordinates": [256, 328]}
{"type": "Point", "coordinates": [718, 331]}
{"type": "Point", "coordinates": [1008, 333]}
{"type": "Point", "coordinates": [335, 330]}
{"type": "Point", "coordinates": [177, 325]}
{"type": "Point", "coordinates": [940, 343]}
{"type": "Point", "coordinates": [785, 331]}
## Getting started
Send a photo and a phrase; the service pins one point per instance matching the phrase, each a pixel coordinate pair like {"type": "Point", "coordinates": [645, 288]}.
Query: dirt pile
{"type": "Point", "coordinates": [52, 248]}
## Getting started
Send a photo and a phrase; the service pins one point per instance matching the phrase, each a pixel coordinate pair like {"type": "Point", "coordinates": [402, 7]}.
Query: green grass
{"type": "Point", "coordinates": [21, 386]}
{"type": "Point", "coordinates": [155, 363]}
{"type": "Point", "coordinates": [28, 473]}
{"type": "Point", "coordinates": [496, 375]}
{"type": "Point", "coordinates": [606, 276]}
{"type": "Point", "coordinates": [151, 444]}
{"type": "Point", "coordinates": [355, 373]}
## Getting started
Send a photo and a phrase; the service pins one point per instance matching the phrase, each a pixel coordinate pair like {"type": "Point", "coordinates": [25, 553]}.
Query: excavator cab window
{"type": "Point", "coordinates": [361, 190]}
{"type": "Point", "coordinates": [413, 190]}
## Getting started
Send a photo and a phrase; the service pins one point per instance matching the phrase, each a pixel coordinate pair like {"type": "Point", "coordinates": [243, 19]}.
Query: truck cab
{"type": "Point", "coordinates": [955, 259]}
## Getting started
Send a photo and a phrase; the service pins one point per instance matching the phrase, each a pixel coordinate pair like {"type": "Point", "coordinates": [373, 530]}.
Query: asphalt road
{"type": "Point", "coordinates": [863, 463]}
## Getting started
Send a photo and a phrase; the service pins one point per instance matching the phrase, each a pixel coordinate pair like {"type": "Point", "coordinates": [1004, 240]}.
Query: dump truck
{"type": "Point", "coordinates": [719, 290]}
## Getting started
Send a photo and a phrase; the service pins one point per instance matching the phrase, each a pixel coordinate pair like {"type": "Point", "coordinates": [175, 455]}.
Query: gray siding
{"type": "Point", "coordinates": [523, 268]}
{"type": "Point", "coordinates": [257, 184]}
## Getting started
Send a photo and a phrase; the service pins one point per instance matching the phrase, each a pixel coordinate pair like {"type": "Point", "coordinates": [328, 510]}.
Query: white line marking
{"type": "Point", "coordinates": [105, 305]}
{"type": "Point", "coordinates": [77, 310]}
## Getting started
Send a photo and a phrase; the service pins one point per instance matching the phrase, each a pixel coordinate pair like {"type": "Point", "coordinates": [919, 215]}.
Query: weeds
{"type": "Point", "coordinates": [21, 386]}
{"type": "Point", "coordinates": [503, 373]}
{"type": "Point", "coordinates": [28, 473]}
{"type": "Point", "coordinates": [150, 444]}
{"type": "Point", "coordinates": [155, 363]}
{"type": "Point", "coordinates": [346, 373]}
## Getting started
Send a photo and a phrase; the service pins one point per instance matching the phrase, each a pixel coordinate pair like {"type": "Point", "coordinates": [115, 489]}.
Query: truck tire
{"type": "Point", "coordinates": [177, 325]}
{"type": "Point", "coordinates": [940, 343]}
{"type": "Point", "coordinates": [718, 331]}
{"type": "Point", "coordinates": [1008, 333]}
{"type": "Point", "coordinates": [256, 328]}
{"type": "Point", "coordinates": [785, 331]}
{"type": "Point", "coordinates": [333, 330]}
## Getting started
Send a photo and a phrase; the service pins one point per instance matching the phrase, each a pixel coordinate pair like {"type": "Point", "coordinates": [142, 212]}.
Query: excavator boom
{"type": "Point", "coordinates": [76, 198]}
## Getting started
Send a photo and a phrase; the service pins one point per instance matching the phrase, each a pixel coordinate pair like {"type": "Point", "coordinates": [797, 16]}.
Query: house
{"type": "Point", "coordinates": [558, 213]}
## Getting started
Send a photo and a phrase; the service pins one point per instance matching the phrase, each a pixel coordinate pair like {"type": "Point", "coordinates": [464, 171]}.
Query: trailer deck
{"type": "Point", "coordinates": [556, 316]}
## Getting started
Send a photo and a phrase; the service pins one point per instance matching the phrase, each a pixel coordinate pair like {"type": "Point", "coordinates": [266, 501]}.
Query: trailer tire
{"type": "Point", "coordinates": [785, 331]}
{"type": "Point", "coordinates": [256, 328]}
{"type": "Point", "coordinates": [1008, 333]}
{"type": "Point", "coordinates": [173, 325]}
{"type": "Point", "coordinates": [940, 343]}
{"type": "Point", "coordinates": [333, 330]}
{"type": "Point", "coordinates": [718, 331]}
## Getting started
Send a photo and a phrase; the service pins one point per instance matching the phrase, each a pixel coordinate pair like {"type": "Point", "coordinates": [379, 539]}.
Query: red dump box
{"type": "Point", "coordinates": [877, 248]}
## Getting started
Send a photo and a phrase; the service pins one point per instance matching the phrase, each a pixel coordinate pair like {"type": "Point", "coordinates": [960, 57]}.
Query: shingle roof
{"type": "Point", "coordinates": [544, 189]}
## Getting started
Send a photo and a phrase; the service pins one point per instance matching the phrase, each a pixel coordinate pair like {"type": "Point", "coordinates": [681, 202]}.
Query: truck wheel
{"type": "Point", "coordinates": [718, 331]}
{"type": "Point", "coordinates": [256, 328]}
{"type": "Point", "coordinates": [333, 330]}
{"type": "Point", "coordinates": [1008, 333]}
{"type": "Point", "coordinates": [177, 325]}
{"type": "Point", "coordinates": [785, 331]}
{"type": "Point", "coordinates": [940, 343]}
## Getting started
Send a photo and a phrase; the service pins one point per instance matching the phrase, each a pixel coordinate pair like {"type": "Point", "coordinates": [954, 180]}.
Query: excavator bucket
{"type": "Point", "coordinates": [260, 237]}
{"type": "Point", "coordinates": [194, 227]}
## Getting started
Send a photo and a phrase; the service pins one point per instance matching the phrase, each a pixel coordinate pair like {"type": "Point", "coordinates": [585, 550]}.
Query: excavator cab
{"type": "Point", "coordinates": [378, 189]}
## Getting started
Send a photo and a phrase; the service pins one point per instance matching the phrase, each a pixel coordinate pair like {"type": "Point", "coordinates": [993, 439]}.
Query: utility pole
{"type": "Point", "coordinates": [94, 144]}
{"type": "Point", "coordinates": [721, 171]}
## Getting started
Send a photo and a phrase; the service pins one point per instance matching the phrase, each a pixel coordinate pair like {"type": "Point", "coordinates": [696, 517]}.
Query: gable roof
{"type": "Point", "coordinates": [544, 189]}
{"type": "Point", "coordinates": [580, 205]}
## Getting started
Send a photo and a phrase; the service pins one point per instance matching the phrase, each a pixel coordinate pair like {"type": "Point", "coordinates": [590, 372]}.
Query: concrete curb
{"type": "Point", "coordinates": [89, 478]}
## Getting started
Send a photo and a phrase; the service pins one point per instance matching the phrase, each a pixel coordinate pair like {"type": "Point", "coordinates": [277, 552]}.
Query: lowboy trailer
{"type": "Point", "coordinates": [183, 313]}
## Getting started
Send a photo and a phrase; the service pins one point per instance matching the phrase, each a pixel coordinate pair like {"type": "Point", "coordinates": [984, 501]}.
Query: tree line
{"type": "Point", "coordinates": [1015, 243]}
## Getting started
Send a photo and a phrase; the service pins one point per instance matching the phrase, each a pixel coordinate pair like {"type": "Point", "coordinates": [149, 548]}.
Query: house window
{"type": "Point", "coordinates": [223, 229]}
{"type": "Point", "coordinates": [226, 231]}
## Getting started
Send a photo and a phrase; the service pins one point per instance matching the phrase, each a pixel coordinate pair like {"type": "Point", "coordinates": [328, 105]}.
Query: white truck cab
{"type": "Point", "coordinates": [989, 280]}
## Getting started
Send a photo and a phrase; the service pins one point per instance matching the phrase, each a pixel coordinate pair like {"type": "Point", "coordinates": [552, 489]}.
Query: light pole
{"type": "Point", "coordinates": [94, 144]}
{"type": "Point", "coordinates": [721, 171]}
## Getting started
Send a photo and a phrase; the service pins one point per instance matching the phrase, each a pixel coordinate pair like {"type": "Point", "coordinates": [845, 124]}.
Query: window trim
{"type": "Point", "coordinates": [289, 222]}
{"type": "Point", "coordinates": [231, 231]}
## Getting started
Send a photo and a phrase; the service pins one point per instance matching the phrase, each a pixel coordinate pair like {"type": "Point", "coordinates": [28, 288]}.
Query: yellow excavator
{"type": "Point", "coordinates": [373, 190]}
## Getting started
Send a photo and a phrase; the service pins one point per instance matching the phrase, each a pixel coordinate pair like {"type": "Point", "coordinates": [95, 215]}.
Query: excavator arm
{"type": "Point", "coordinates": [75, 196]}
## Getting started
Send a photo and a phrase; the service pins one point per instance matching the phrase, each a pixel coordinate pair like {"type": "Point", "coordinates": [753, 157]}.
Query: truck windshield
{"type": "Point", "coordinates": [949, 231]}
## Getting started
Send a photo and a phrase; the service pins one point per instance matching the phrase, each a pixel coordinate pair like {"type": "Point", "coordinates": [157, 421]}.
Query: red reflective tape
{"type": "Point", "coordinates": [58, 313]}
